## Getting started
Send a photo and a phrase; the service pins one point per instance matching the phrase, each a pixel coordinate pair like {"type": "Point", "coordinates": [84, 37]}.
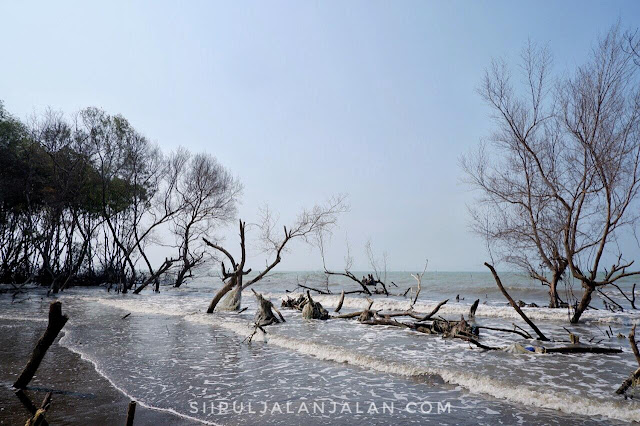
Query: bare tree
{"type": "Point", "coordinates": [208, 194]}
{"type": "Point", "coordinates": [599, 111]}
{"type": "Point", "coordinates": [309, 227]}
{"type": "Point", "coordinates": [571, 164]}
{"type": "Point", "coordinates": [515, 211]}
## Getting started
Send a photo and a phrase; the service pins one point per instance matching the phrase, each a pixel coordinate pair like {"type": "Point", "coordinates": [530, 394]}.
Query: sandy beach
{"type": "Point", "coordinates": [78, 390]}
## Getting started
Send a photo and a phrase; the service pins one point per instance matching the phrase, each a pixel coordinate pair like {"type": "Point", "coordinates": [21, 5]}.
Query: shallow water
{"type": "Point", "coordinates": [170, 355]}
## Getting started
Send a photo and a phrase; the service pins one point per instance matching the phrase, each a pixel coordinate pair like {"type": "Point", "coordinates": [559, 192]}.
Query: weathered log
{"type": "Point", "coordinates": [131, 412]}
{"type": "Point", "coordinates": [579, 349]}
{"type": "Point", "coordinates": [412, 314]}
{"type": "Point", "coordinates": [264, 314]}
{"type": "Point", "coordinates": [635, 376]}
{"type": "Point", "coordinates": [38, 418]}
{"type": "Point", "coordinates": [297, 303]}
{"type": "Point", "coordinates": [514, 305]}
{"type": "Point", "coordinates": [340, 302]}
{"type": "Point", "coordinates": [28, 404]}
{"type": "Point", "coordinates": [56, 321]}
{"type": "Point", "coordinates": [314, 310]}
{"type": "Point", "coordinates": [506, 330]}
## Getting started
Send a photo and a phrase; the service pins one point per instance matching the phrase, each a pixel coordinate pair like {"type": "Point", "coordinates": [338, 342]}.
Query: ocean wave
{"type": "Point", "coordinates": [457, 309]}
{"type": "Point", "coordinates": [64, 342]}
{"type": "Point", "coordinates": [22, 318]}
{"type": "Point", "coordinates": [476, 383]}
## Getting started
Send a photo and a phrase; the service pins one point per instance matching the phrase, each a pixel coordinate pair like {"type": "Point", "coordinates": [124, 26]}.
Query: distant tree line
{"type": "Point", "coordinates": [82, 201]}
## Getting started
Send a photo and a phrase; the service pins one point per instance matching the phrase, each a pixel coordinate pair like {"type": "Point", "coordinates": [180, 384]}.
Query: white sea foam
{"type": "Point", "coordinates": [22, 318]}
{"type": "Point", "coordinates": [457, 309]}
{"type": "Point", "coordinates": [83, 355]}
{"type": "Point", "coordinates": [569, 403]}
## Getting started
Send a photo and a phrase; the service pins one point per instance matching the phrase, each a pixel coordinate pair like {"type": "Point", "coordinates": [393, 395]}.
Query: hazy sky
{"type": "Point", "coordinates": [303, 99]}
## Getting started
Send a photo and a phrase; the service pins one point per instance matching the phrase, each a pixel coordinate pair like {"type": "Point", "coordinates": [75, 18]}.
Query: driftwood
{"type": "Point", "coordinates": [297, 303]}
{"type": "Point", "coordinates": [131, 412]}
{"type": "Point", "coordinates": [582, 349]}
{"type": "Point", "coordinates": [506, 330]}
{"type": "Point", "coordinates": [38, 417]}
{"type": "Point", "coordinates": [264, 314]}
{"type": "Point", "coordinates": [56, 321]}
{"type": "Point", "coordinates": [514, 304]}
{"type": "Point", "coordinates": [635, 376]}
{"type": "Point", "coordinates": [314, 310]}
{"type": "Point", "coordinates": [457, 329]}
{"type": "Point", "coordinates": [28, 404]}
{"type": "Point", "coordinates": [349, 275]}
{"type": "Point", "coordinates": [415, 315]}
{"type": "Point", "coordinates": [340, 302]}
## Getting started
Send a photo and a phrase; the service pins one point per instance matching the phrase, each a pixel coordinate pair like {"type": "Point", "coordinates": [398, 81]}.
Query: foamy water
{"type": "Point", "coordinates": [170, 355]}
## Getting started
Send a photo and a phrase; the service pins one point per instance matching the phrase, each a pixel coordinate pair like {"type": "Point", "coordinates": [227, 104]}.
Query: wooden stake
{"type": "Point", "coordinates": [131, 412]}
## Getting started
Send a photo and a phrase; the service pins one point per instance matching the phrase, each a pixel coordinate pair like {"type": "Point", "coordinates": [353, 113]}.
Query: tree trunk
{"type": "Point", "coordinates": [584, 303]}
{"type": "Point", "coordinates": [553, 291]}
{"type": "Point", "coordinates": [182, 273]}
{"type": "Point", "coordinates": [56, 322]}
{"type": "Point", "coordinates": [220, 294]}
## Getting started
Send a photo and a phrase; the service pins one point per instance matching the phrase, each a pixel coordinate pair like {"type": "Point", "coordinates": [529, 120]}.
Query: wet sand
{"type": "Point", "coordinates": [80, 394]}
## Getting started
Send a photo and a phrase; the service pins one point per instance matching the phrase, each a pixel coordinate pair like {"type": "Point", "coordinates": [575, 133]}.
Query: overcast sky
{"type": "Point", "coordinates": [304, 99]}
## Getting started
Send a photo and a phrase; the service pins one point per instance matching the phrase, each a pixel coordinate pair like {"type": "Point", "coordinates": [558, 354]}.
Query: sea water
{"type": "Point", "coordinates": [168, 354]}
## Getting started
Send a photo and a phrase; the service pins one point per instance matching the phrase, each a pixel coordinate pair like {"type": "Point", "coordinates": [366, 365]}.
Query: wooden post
{"type": "Point", "coordinates": [131, 412]}
{"type": "Point", "coordinates": [56, 322]}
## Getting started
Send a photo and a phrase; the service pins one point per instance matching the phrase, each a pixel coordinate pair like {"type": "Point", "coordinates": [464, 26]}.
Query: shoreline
{"type": "Point", "coordinates": [79, 392]}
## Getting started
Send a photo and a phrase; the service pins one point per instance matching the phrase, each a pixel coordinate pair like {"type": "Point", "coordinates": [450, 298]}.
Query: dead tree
{"type": "Point", "coordinates": [572, 164]}
{"type": "Point", "coordinates": [56, 321]}
{"type": "Point", "coordinates": [418, 278]}
{"type": "Point", "coordinates": [309, 227]}
{"type": "Point", "coordinates": [166, 265]}
{"type": "Point", "coordinates": [348, 261]}
{"type": "Point", "coordinates": [30, 406]}
{"type": "Point", "coordinates": [209, 195]}
{"type": "Point", "coordinates": [379, 273]}
{"type": "Point", "coordinates": [514, 212]}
